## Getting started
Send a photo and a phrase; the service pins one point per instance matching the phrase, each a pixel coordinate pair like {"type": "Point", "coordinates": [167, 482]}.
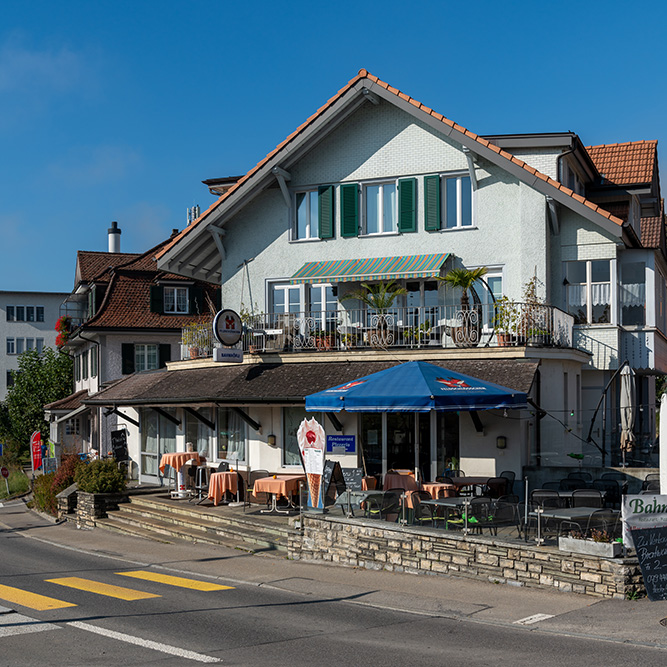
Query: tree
{"type": "Point", "coordinates": [41, 379]}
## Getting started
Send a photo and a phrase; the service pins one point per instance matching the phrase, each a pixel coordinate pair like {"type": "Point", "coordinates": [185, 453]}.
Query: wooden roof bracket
{"type": "Point", "coordinates": [477, 422]}
{"type": "Point", "coordinates": [335, 422]}
{"type": "Point", "coordinates": [471, 166]}
{"type": "Point", "coordinates": [200, 417]}
{"type": "Point", "coordinates": [116, 411]}
{"type": "Point", "coordinates": [282, 177]}
{"type": "Point", "coordinates": [553, 215]}
{"type": "Point", "coordinates": [256, 426]}
{"type": "Point", "coordinates": [166, 415]}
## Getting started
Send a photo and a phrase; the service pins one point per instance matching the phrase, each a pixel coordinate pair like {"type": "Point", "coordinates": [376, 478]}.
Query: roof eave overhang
{"type": "Point", "coordinates": [193, 400]}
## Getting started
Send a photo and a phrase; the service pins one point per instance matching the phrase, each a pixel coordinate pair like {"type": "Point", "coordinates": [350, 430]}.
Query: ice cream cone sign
{"type": "Point", "coordinates": [312, 441]}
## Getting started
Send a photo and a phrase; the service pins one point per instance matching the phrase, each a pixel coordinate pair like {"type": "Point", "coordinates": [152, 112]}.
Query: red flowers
{"type": "Point", "coordinates": [64, 328]}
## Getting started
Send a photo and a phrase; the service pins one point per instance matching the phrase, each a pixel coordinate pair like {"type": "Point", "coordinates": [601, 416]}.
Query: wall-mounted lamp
{"type": "Point", "coordinates": [271, 439]}
{"type": "Point", "coordinates": [501, 442]}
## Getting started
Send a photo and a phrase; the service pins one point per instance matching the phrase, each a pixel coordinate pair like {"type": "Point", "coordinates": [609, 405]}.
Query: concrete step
{"type": "Point", "coordinates": [165, 531]}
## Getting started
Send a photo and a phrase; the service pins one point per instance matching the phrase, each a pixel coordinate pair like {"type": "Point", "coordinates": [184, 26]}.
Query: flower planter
{"type": "Point", "coordinates": [590, 548]}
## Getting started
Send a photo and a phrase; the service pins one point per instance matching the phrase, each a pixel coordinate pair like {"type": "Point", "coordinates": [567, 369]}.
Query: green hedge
{"type": "Point", "coordinates": [101, 476]}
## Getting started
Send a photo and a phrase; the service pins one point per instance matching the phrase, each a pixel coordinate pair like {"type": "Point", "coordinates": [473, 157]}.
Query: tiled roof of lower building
{"type": "Point", "coordinates": [71, 402]}
{"type": "Point", "coordinates": [630, 163]}
{"type": "Point", "coordinates": [264, 382]}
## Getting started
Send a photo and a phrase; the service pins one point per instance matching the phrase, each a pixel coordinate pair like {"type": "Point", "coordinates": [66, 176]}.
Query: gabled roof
{"type": "Point", "coordinates": [630, 163]}
{"type": "Point", "coordinates": [653, 229]}
{"type": "Point", "coordinates": [90, 264]}
{"type": "Point", "coordinates": [71, 402]}
{"type": "Point", "coordinates": [335, 111]}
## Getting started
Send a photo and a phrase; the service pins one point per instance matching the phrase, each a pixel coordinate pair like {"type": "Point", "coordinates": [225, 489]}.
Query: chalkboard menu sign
{"type": "Point", "coordinates": [651, 547]}
{"type": "Point", "coordinates": [333, 481]}
{"type": "Point", "coordinates": [119, 445]}
{"type": "Point", "coordinates": [353, 478]}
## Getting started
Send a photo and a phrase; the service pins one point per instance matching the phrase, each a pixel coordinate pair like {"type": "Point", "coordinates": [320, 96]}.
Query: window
{"type": "Point", "coordinates": [11, 315]}
{"type": "Point", "coordinates": [199, 433]}
{"type": "Point", "coordinates": [20, 314]}
{"type": "Point", "coordinates": [145, 357]}
{"type": "Point", "coordinates": [422, 303]}
{"type": "Point", "coordinates": [39, 345]}
{"type": "Point", "coordinates": [495, 283]}
{"type": "Point", "coordinates": [72, 426]}
{"type": "Point", "coordinates": [286, 298]}
{"type": "Point", "coordinates": [633, 293]}
{"type": "Point", "coordinates": [29, 343]}
{"type": "Point", "coordinates": [20, 345]}
{"type": "Point", "coordinates": [292, 418]}
{"type": "Point", "coordinates": [307, 224]}
{"type": "Point", "coordinates": [11, 346]}
{"type": "Point", "coordinates": [176, 300]}
{"type": "Point", "coordinates": [93, 362]}
{"type": "Point", "coordinates": [10, 378]}
{"type": "Point", "coordinates": [457, 196]}
{"type": "Point", "coordinates": [588, 291]}
{"type": "Point", "coordinates": [323, 306]}
{"type": "Point", "coordinates": [380, 209]}
{"type": "Point", "coordinates": [39, 312]}
{"type": "Point", "coordinates": [84, 365]}
{"type": "Point", "coordinates": [231, 435]}
{"type": "Point", "coordinates": [30, 313]}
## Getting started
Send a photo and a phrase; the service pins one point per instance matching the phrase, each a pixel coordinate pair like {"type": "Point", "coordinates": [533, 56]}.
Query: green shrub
{"type": "Point", "coordinates": [43, 496]}
{"type": "Point", "coordinates": [101, 476]}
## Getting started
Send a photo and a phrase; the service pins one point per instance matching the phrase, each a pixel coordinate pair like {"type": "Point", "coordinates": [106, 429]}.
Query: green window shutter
{"type": "Point", "coordinates": [156, 299]}
{"type": "Point", "coordinates": [325, 199]}
{"type": "Point", "coordinates": [127, 358]}
{"type": "Point", "coordinates": [164, 354]}
{"type": "Point", "coordinates": [407, 212]}
{"type": "Point", "coordinates": [349, 210]}
{"type": "Point", "coordinates": [431, 203]}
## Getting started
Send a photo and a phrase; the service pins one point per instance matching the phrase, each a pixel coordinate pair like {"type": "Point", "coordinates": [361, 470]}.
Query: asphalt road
{"type": "Point", "coordinates": [174, 620]}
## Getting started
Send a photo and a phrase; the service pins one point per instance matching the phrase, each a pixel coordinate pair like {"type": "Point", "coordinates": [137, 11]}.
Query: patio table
{"type": "Point", "coordinates": [561, 513]}
{"type": "Point", "coordinates": [348, 501]}
{"type": "Point", "coordinates": [176, 461]}
{"type": "Point", "coordinates": [401, 479]}
{"type": "Point", "coordinates": [279, 486]}
{"type": "Point", "coordinates": [461, 482]}
{"type": "Point", "coordinates": [439, 489]}
{"type": "Point", "coordinates": [221, 483]}
{"type": "Point", "coordinates": [449, 504]}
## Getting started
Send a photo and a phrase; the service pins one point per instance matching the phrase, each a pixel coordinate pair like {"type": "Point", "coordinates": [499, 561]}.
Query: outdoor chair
{"type": "Point", "coordinates": [503, 513]}
{"type": "Point", "coordinates": [511, 498]}
{"type": "Point", "coordinates": [443, 479]}
{"type": "Point", "coordinates": [651, 485]}
{"type": "Point", "coordinates": [652, 477]}
{"type": "Point", "coordinates": [496, 487]}
{"type": "Point", "coordinates": [587, 498]}
{"type": "Point", "coordinates": [421, 514]}
{"type": "Point", "coordinates": [385, 507]}
{"type": "Point", "coordinates": [263, 498]}
{"type": "Point", "coordinates": [612, 491]}
{"type": "Point", "coordinates": [510, 476]}
{"type": "Point", "coordinates": [569, 484]}
{"type": "Point", "coordinates": [480, 515]}
{"type": "Point", "coordinates": [552, 486]}
{"type": "Point", "coordinates": [604, 520]}
{"type": "Point", "coordinates": [202, 478]}
{"type": "Point", "coordinates": [620, 476]}
{"type": "Point", "coordinates": [455, 473]}
{"type": "Point", "coordinates": [546, 498]}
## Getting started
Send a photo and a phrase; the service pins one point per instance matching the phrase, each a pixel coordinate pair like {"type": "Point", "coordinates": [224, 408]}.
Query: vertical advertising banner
{"type": "Point", "coordinates": [312, 443]}
{"type": "Point", "coordinates": [36, 450]}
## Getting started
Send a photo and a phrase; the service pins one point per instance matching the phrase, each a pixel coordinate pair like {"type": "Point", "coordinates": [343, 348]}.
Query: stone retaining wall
{"type": "Point", "coordinates": [384, 546]}
{"type": "Point", "coordinates": [92, 506]}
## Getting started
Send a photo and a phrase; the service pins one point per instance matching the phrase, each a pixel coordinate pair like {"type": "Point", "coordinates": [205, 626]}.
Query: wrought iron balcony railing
{"type": "Point", "coordinates": [438, 326]}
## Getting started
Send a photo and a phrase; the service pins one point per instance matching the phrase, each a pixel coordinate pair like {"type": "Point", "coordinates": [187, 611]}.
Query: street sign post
{"type": "Point", "coordinates": [5, 473]}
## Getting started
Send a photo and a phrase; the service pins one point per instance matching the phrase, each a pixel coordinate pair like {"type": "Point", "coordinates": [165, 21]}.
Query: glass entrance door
{"type": "Point", "coordinates": [158, 436]}
{"type": "Point", "coordinates": [400, 441]}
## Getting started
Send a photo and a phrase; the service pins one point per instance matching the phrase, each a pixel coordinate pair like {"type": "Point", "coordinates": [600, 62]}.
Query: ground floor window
{"type": "Point", "coordinates": [231, 435]}
{"type": "Point", "coordinates": [198, 433]}
{"type": "Point", "coordinates": [292, 418]}
{"type": "Point", "coordinates": [158, 436]}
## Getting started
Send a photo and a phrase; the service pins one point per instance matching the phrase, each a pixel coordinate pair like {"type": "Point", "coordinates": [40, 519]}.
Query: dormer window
{"type": "Point", "coordinates": [176, 300]}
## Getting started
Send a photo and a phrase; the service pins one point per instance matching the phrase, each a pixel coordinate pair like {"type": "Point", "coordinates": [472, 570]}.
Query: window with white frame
{"type": "Point", "coordinates": [93, 362]}
{"type": "Point", "coordinates": [380, 211]}
{"type": "Point", "coordinates": [11, 313]}
{"type": "Point", "coordinates": [176, 300]}
{"type": "Point", "coordinates": [286, 298]}
{"type": "Point", "coordinates": [307, 216]}
{"type": "Point", "coordinates": [72, 426]}
{"type": "Point", "coordinates": [11, 346]}
{"type": "Point", "coordinates": [146, 357]}
{"type": "Point", "coordinates": [198, 432]}
{"type": "Point", "coordinates": [632, 295]}
{"type": "Point", "coordinates": [29, 343]}
{"type": "Point", "coordinates": [231, 435]}
{"type": "Point", "coordinates": [588, 291]}
{"type": "Point", "coordinates": [39, 345]}
{"type": "Point", "coordinates": [323, 305]}
{"type": "Point", "coordinates": [30, 313]}
{"type": "Point", "coordinates": [494, 280]}
{"type": "Point", "coordinates": [292, 418]}
{"type": "Point", "coordinates": [457, 200]}
{"type": "Point", "coordinates": [84, 365]}
{"type": "Point", "coordinates": [20, 313]}
{"type": "Point", "coordinates": [20, 345]}
{"type": "Point", "coordinates": [39, 313]}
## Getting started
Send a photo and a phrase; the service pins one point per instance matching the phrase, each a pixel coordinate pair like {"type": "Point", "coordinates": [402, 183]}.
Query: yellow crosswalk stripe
{"type": "Point", "coordinates": [31, 600]}
{"type": "Point", "coordinates": [102, 589]}
{"type": "Point", "coordinates": [170, 580]}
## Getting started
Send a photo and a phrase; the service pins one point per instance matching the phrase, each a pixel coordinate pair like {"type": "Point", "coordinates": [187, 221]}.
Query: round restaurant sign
{"type": "Point", "coordinates": [5, 472]}
{"type": "Point", "coordinates": [227, 327]}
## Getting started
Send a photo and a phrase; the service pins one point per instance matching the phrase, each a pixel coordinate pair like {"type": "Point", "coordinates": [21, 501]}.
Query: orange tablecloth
{"type": "Point", "coordinates": [439, 489]}
{"type": "Point", "coordinates": [177, 460]}
{"type": "Point", "coordinates": [221, 482]}
{"type": "Point", "coordinates": [368, 483]}
{"type": "Point", "coordinates": [460, 482]}
{"type": "Point", "coordinates": [400, 480]}
{"type": "Point", "coordinates": [282, 485]}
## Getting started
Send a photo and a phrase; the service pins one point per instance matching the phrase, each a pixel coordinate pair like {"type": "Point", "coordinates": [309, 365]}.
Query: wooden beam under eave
{"type": "Point", "coordinates": [200, 417]}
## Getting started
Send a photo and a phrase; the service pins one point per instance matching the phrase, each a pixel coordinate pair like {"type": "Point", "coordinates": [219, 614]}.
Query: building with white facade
{"type": "Point", "coordinates": [376, 186]}
{"type": "Point", "coordinates": [27, 322]}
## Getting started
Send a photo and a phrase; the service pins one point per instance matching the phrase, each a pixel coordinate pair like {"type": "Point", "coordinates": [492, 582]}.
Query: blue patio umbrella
{"type": "Point", "coordinates": [416, 386]}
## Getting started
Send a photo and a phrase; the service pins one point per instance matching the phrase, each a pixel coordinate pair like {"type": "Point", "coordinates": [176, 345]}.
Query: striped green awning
{"type": "Point", "coordinates": [374, 268]}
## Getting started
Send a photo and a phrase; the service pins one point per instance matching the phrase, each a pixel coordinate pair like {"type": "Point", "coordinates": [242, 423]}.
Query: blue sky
{"type": "Point", "coordinates": [118, 110]}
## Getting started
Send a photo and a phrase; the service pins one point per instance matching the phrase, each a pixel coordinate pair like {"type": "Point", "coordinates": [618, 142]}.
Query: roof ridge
{"type": "Point", "coordinates": [624, 143]}
{"type": "Point", "coordinates": [365, 74]}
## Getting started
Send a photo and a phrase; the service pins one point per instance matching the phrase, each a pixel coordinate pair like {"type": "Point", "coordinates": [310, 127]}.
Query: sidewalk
{"type": "Point", "coordinates": [452, 597]}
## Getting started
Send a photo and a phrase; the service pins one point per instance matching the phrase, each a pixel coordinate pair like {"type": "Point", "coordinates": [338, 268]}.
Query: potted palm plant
{"type": "Point", "coordinates": [467, 333]}
{"type": "Point", "coordinates": [378, 298]}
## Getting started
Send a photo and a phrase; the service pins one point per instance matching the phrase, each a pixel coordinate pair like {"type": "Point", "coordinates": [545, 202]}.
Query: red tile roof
{"type": "Point", "coordinates": [364, 74]}
{"type": "Point", "coordinates": [91, 264]}
{"type": "Point", "coordinates": [631, 163]}
{"type": "Point", "coordinates": [653, 228]}
{"type": "Point", "coordinates": [71, 402]}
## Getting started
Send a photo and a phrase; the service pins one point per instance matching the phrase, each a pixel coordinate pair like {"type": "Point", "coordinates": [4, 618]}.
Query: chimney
{"type": "Point", "coordinates": [114, 237]}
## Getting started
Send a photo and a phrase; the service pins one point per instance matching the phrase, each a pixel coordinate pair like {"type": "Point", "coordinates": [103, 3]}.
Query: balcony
{"type": "Point", "coordinates": [405, 328]}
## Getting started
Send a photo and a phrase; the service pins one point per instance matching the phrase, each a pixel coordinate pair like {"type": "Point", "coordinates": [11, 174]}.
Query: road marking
{"type": "Point", "coordinates": [31, 600]}
{"type": "Point", "coordinates": [102, 589]}
{"type": "Point", "coordinates": [535, 618]}
{"type": "Point", "coordinates": [170, 580]}
{"type": "Point", "coordinates": [17, 624]}
{"type": "Point", "coordinates": [146, 643]}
